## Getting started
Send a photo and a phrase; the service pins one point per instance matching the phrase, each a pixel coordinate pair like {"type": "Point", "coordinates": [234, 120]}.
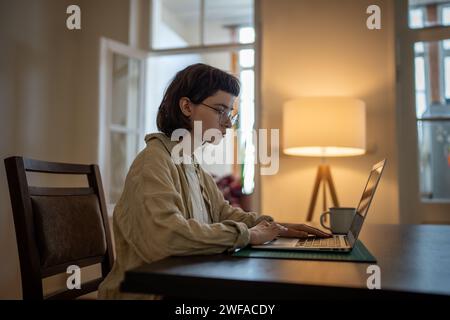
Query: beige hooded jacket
{"type": "Point", "coordinates": [153, 219]}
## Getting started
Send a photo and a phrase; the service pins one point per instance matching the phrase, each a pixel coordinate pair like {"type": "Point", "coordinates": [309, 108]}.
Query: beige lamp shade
{"type": "Point", "coordinates": [324, 127]}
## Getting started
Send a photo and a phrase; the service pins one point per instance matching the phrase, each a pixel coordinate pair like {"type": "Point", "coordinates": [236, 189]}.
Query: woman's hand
{"type": "Point", "coordinates": [265, 231]}
{"type": "Point", "coordinates": [294, 230]}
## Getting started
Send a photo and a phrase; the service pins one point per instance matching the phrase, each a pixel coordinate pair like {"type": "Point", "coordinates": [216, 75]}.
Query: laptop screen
{"type": "Point", "coordinates": [366, 198]}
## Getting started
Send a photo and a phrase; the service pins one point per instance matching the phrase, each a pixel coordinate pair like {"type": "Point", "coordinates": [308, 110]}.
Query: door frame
{"type": "Point", "coordinates": [413, 209]}
{"type": "Point", "coordinates": [108, 48]}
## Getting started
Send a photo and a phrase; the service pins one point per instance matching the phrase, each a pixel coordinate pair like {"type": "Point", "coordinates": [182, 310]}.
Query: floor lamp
{"type": "Point", "coordinates": [324, 127]}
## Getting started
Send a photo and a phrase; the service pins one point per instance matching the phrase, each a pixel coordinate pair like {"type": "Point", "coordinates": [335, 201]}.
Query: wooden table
{"type": "Point", "coordinates": [414, 262]}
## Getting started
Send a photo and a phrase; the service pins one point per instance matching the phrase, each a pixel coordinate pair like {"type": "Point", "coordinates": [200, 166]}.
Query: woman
{"type": "Point", "coordinates": [169, 208]}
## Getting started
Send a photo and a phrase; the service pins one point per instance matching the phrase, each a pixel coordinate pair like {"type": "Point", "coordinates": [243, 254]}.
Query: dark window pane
{"type": "Point", "coordinates": [123, 151]}
{"type": "Point", "coordinates": [125, 91]}
{"type": "Point", "coordinates": [434, 149]}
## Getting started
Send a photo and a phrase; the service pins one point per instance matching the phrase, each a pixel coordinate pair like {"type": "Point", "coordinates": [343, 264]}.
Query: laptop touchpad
{"type": "Point", "coordinates": [285, 242]}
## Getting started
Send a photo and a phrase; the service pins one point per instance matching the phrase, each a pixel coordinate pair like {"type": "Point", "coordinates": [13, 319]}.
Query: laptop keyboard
{"type": "Point", "coordinates": [318, 242]}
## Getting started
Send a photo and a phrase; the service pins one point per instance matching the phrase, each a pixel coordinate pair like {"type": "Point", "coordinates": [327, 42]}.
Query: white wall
{"type": "Point", "coordinates": [324, 48]}
{"type": "Point", "coordinates": [48, 93]}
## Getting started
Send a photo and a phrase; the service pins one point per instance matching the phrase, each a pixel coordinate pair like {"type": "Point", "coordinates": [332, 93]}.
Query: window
{"type": "Point", "coordinates": [125, 127]}
{"type": "Point", "coordinates": [122, 113]}
{"type": "Point", "coordinates": [428, 13]}
{"type": "Point", "coordinates": [216, 32]}
{"type": "Point", "coordinates": [191, 23]}
{"type": "Point", "coordinates": [432, 92]}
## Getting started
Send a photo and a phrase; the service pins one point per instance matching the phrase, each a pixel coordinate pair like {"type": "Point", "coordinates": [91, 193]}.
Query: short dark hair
{"type": "Point", "coordinates": [196, 82]}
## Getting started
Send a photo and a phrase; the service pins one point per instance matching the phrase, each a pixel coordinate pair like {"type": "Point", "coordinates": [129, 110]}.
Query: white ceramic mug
{"type": "Point", "coordinates": [341, 219]}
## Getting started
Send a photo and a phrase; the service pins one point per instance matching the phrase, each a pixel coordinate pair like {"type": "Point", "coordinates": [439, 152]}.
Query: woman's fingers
{"type": "Point", "coordinates": [269, 234]}
{"type": "Point", "coordinates": [271, 225]}
{"type": "Point", "coordinates": [278, 229]}
{"type": "Point", "coordinates": [264, 223]}
{"type": "Point", "coordinates": [263, 232]}
{"type": "Point", "coordinates": [269, 230]}
{"type": "Point", "coordinates": [281, 227]}
{"type": "Point", "coordinates": [301, 231]}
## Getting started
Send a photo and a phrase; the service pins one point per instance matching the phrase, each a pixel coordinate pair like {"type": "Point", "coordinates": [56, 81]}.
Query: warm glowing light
{"type": "Point", "coordinates": [324, 151]}
{"type": "Point", "coordinates": [324, 127]}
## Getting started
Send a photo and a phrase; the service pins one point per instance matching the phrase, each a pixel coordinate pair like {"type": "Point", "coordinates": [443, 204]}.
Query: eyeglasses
{"type": "Point", "coordinates": [224, 115]}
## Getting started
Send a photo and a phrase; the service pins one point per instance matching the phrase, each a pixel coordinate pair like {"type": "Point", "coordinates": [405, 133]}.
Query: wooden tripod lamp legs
{"type": "Point", "coordinates": [323, 175]}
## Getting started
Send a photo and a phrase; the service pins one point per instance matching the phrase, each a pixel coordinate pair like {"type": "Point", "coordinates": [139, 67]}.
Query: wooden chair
{"type": "Point", "coordinates": [58, 227]}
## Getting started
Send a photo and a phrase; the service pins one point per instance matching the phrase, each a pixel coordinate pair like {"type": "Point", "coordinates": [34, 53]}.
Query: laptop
{"type": "Point", "coordinates": [342, 243]}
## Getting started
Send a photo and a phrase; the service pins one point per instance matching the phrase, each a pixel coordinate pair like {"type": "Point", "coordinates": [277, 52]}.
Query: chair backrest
{"type": "Point", "coordinates": [58, 227]}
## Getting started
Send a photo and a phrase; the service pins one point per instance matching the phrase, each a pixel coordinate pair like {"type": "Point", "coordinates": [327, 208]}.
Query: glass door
{"type": "Point", "coordinates": [122, 113]}
{"type": "Point", "coordinates": [423, 118]}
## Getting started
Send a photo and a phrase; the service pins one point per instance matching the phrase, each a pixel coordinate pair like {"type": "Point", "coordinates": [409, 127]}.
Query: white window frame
{"type": "Point", "coordinates": [108, 48]}
{"type": "Point", "coordinates": [413, 209]}
{"type": "Point", "coordinates": [256, 46]}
